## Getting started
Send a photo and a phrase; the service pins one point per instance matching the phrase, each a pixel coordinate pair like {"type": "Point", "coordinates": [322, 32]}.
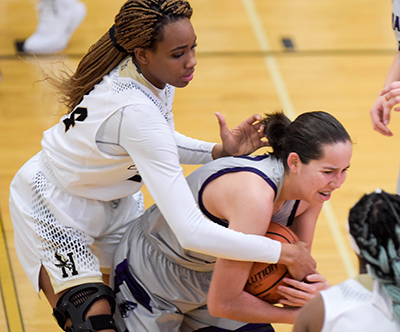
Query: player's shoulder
{"type": "Point", "coordinates": [349, 293]}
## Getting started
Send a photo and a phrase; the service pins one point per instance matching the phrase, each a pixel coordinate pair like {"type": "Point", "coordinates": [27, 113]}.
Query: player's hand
{"type": "Point", "coordinates": [391, 93]}
{"type": "Point", "coordinates": [298, 293]}
{"type": "Point", "coordinates": [298, 260]}
{"type": "Point", "coordinates": [243, 139]}
{"type": "Point", "coordinates": [389, 97]}
{"type": "Point", "coordinates": [380, 116]}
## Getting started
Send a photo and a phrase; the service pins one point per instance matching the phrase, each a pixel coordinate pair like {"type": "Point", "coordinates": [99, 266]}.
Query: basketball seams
{"type": "Point", "coordinates": [280, 236]}
{"type": "Point", "coordinates": [287, 230]}
{"type": "Point", "coordinates": [273, 285]}
{"type": "Point", "coordinates": [263, 279]}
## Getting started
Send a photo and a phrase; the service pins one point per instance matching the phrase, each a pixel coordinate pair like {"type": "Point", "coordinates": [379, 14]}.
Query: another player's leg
{"type": "Point", "coordinates": [85, 307]}
{"type": "Point", "coordinates": [58, 19]}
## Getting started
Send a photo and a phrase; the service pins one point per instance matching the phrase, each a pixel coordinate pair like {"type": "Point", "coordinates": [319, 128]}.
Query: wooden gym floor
{"type": "Point", "coordinates": [340, 56]}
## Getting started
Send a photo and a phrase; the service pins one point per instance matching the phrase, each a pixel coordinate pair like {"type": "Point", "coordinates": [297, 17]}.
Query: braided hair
{"type": "Point", "coordinates": [306, 135]}
{"type": "Point", "coordinates": [375, 226]}
{"type": "Point", "coordinates": [139, 23]}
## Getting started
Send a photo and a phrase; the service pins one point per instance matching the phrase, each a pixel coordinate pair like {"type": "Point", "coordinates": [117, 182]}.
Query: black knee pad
{"type": "Point", "coordinates": [77, 301]}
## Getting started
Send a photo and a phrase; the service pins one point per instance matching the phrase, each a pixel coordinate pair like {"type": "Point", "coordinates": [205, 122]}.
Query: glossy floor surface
{"type": "Point", "coordinates": [254, 56]}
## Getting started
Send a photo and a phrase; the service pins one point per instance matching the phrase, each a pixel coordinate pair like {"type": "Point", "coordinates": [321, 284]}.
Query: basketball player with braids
{"type": "Point", "coordinates": [160, 286]}
{"type": "Point", "coordinates": [374, 225]}
{"type": "Point", "coordinates": [71, 203]}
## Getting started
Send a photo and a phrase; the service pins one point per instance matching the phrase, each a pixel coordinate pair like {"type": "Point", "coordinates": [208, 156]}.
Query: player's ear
{"type": "Point", "coordinates": [141, 55]}
{"type": "Point", "coordinates": [293, 162]}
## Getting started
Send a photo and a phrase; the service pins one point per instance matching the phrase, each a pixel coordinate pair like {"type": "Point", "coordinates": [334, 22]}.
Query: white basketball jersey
{"type": "Point", "coordinates": [72, 156]}
{"type": "Point", "coordinates": [351, 307]}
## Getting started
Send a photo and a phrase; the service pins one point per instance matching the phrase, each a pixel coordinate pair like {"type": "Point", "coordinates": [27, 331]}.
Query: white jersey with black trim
{"type": "Point", "coordinates": [349, 306]}
{"type": "Point", "coordinates": [100, 149]}
{"type": "Point", "coordinates": [157, 230]}
{"type": "Point", "coordinates": [122, 135]}
{"type": "Point", "coordinates": [396, 20]}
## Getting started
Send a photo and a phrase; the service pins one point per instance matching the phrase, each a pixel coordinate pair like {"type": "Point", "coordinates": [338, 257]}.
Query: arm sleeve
{"type": "Point", "coordinates": [150, 142]}
{"type": "Point", "coordinates": [193, 151]}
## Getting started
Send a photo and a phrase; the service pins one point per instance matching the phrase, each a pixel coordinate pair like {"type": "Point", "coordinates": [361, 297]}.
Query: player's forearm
{"type": "Point", "coordinates": [247, 308]}
{"type": "Point", "coordinates": [394, 71]}
{"type": "Point", "coordinates": [218, 152]}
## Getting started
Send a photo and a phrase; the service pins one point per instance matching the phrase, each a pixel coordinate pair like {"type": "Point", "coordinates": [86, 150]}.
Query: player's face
{"type": "Point", "coordinates": [173, 59]}
{"type": "Point", "coordinates": [321, 177]}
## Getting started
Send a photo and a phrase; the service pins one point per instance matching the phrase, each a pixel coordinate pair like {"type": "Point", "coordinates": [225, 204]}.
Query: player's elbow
{"type": "Point", "coordinates": [218, 308]}
{"type": "Point", "coordinates": [188, 241]}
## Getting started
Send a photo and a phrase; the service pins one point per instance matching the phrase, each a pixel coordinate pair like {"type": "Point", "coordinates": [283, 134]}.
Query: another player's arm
{"type": "Point", "coordinates": [380, 110]}
{"type": "Point", "coordinates": [249, 211]}
{"type": "Point", "coordinates": [311, 316]}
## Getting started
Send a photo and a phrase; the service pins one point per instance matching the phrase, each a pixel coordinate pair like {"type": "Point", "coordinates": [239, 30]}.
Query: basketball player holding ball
{"type": "Point", "coordinates": [160, 286]}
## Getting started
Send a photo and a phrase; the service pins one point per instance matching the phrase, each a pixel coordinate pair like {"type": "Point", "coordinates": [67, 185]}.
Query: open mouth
{"type": "Point", "coordinates": [325, 194]}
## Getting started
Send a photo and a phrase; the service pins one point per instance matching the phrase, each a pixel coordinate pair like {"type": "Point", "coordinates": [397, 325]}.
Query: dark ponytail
{"type": "Point", "coordinates": [306, 135]}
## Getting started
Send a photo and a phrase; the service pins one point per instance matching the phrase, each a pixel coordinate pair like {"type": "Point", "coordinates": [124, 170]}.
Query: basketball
{"type": "Point", "coordinates": [265, 278]}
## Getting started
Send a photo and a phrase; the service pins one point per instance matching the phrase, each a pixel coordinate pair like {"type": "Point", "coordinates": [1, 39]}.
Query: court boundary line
{"type": "Point", "coordinates": [11, 306]}
{"type": "Point", "coordinates": [287, 104]}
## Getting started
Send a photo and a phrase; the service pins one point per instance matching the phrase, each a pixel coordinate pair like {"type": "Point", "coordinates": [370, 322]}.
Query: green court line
{"type": "Point", "coordinates": [8, 290]}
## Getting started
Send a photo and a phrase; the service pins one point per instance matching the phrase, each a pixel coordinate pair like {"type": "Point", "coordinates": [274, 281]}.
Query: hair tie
{"type": "Point", "coordinates": [111, 32]}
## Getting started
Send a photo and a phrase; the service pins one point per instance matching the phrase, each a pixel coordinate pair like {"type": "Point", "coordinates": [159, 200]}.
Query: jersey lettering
{"type": "Point", "coordinates": [260, 276]}
{"type": "Point", "coordinates": [79, 114]}
{"type": "Point", "coordinates": [66, 263]}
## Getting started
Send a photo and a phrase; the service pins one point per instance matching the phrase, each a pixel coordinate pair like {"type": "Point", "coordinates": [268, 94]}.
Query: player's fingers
{"type": "Point", "coordinates": [260, 131]}
{"type": "Point", "coordinates": [378, 125]}
{"type": "Point", "coordinates": [292, 293]}
{"type": "Point", "coordinates": [221, 119]}
{"type": "Point", "coordinates": [315, 278]}
{"type": "Point", "coordinates": [392, 93]}
{"type": "Point", "coordinates": [386, 114]}
{"type": "Point", "coordinates": [253, 118]}
{"type": "Point", "coordinates": [223, 128]}
{"type": "Point", "coordinates": [295, 283]}
{"type": "Point", "coordinates": [293, 298]}
{"type": "Point", "coordinates": [392, 102]}
{"type": "Point", "coordinates": [297, 303]}
{"type": "Point", "coordinates": [392, 86]}
{"type": "Point", "coordinates": [256, 126]}
{"type": "Point", "coordinates": [382, 129]}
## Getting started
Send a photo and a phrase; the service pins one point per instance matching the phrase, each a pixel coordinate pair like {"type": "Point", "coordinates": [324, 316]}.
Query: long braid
{"type": "Point", "coordinates": [139, 23]}
{"type": "Point", "coordinates": [375, 225]}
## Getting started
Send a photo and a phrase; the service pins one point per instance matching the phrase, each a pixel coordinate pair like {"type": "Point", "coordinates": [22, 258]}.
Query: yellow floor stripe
{"type": "Point", "coordinates": [9, 295]}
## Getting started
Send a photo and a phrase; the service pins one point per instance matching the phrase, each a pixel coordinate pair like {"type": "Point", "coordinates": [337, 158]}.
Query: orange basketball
{"type": "Point", "coordinates": [265, 278]}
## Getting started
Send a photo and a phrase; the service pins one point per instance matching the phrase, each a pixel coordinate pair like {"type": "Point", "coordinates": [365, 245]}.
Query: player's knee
{"type": "Point", "coordinates": [89, 307]}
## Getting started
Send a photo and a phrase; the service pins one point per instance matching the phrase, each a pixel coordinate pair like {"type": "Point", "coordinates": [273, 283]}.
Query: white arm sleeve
{"type": "Point", "coordinates": [150, 142]}
{"type": "Point", "coordinates": [193, 151]}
